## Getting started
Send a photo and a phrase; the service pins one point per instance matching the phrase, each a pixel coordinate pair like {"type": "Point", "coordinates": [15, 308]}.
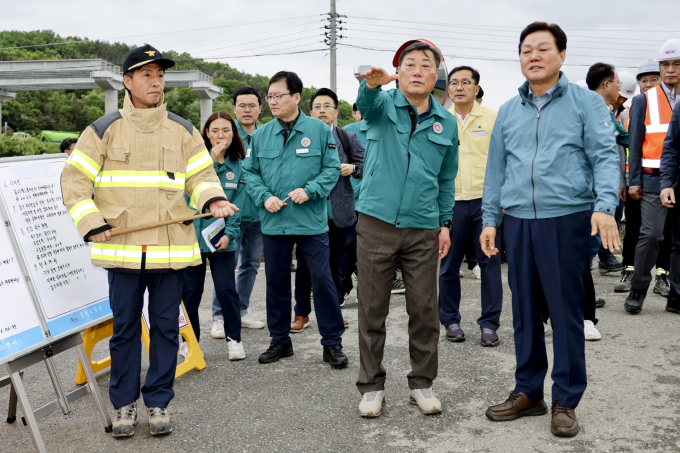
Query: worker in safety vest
{"type": "Point", "coordinates": [141, 160]}
{"type": "Point", "coordinates": [649, 118]}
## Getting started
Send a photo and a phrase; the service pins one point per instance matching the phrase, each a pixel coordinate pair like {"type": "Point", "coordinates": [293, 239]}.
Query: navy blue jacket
{"type": "Point", "coordinates": [670, 157]}
{"type": "Point", "coordinates": [342, 195]}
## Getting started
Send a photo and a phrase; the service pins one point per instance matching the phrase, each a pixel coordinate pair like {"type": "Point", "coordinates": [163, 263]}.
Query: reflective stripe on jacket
{"type": "Point", "coordinates": [140, 162]}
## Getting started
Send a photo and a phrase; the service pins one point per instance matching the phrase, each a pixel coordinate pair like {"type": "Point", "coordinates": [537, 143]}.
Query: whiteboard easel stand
{"type": "Point", "coordinates": [45, 354]}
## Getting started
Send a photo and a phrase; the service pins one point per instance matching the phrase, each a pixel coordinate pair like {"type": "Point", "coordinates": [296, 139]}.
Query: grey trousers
{"type": "Point", "coordinates": [653, 215]}
{"type": "Point", "coordinates": [379, 245]}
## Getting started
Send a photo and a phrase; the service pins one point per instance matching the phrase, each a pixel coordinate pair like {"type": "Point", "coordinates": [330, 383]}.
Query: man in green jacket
{"type": "Point", "coordinates": [292, 167]}
{"type": "Point", "coordinates": [405, 208]}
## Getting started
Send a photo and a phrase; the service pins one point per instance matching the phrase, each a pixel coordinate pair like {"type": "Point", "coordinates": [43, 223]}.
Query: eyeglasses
{"type": "Point", "coordinates": [270, 97]}
{"type": "Point", "coordinates": [667, 64]}
{"type": "Point", "coordinates": [252, 106]}
{"type": "Point", "coordinates": [615, 82]}
{"type": "Point", "coordinates": [317, 107]}
{"type": "Point", "coordinates": [464, 83]}
{"type": "Point", "coordinates": [649, 79]}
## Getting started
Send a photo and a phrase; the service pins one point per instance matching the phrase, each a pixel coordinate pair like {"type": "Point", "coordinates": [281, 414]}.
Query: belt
{"type": "Point", "coordinates": [651, 171]}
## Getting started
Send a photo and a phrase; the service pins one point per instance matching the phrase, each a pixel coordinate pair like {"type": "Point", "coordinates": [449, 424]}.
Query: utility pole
{"type": "Point", "coordinates": [331, 40]}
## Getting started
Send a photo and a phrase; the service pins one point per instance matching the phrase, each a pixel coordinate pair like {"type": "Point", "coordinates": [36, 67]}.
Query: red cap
{"type": "Point", "coordinates": [395, 60]}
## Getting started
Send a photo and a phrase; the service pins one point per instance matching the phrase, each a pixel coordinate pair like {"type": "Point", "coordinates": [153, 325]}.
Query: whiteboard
{"type": "Point", "coordinates": [20, 327]}
{"type": "Point", "coordinates": [71, 293]}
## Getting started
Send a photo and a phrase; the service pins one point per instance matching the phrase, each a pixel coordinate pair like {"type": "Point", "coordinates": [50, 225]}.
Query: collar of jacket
{"type": "Point", "coordinates": [562, 85]}
{"type": "Point", "coordinates": [401, 101]}
{"type": "Point", "coordinates": [144, 120]}
{"type": "Point", "coordinates": [242, 132]}
{"type": "Point", "coordinates": [363, 125]}
{"type": "Point", "coordinates": [299, 125]}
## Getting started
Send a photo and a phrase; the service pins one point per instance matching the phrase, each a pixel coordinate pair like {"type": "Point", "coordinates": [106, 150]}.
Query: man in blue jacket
{"type": "Point", "coordinates": [407, 197]}
{"type": "Point", "coordinates": [550, 145]}
{"type": "Point", "coordinates": [670, 163]}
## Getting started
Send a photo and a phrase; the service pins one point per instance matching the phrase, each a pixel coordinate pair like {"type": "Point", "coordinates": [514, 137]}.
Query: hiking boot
{"type": "Point", "coordinates": [251, 322]}
{"type": "Point", "coordinates": [299, 324]}
{"type": "Point", "coordinates": [334, 355]}
{"type": "Point", "coordinates": [489, 337]}
{"type": "Point", "coordinates": [634, 301]}
{"type": "Point", "coordinates": [590, 331]}
{"type": "Point", "coordinates": [517, 405]}
{"type": "Point", "coordinates": [398, 286]}
{"type": "Point", "coordinates": [599, 302]}
{"type": "Point", "coordinates": [218, 329]}
{"type": "Point", "coordinates": [625, 284]}
{"type": "Point", "coordinates": [276, 352]}
{"type": "Point", "coordinates": [125, 421]}
{"type": "Point", "coordinates": [426, 401]}
{"type": "Point", "coordinates": [564, 422]}
{"type": "Point", "coordinates": [159, 421]}
{"type": "Point", "coordinates": [611, 264]}
{"type": "Point", "coordinates": [236, 351]}
{"type": "Point", "coordinates": [661, 284]}
{"type": "Point", "coordinates": [371, 404]}
{"type": "Point", "coordinates": [455, 333]}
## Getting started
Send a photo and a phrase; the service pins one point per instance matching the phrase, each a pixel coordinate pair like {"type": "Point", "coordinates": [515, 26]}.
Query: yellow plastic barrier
{"type": "Point", "coordinates": [93, 335]}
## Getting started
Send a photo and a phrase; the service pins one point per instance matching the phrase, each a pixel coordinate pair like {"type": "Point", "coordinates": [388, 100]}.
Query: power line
{"type": "Point", "coordinates": [307, 25]}
{"type": "Point", "coordinates": [251, 42]}
{"type": "Point", "coordinates": [270, 45]}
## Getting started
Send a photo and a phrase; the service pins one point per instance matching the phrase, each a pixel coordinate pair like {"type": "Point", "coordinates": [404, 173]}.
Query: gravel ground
{"type": "Point", "coordinates": [301, 404]}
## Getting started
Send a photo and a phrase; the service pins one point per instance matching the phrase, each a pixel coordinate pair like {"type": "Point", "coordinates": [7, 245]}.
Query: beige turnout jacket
{"type": "Point", "coordinates": [140, 162]}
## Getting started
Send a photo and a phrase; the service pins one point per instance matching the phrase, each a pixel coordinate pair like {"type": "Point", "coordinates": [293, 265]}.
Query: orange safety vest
{"type": "Point", "coordinates": [625, 126]}
{"type": "Point", "coordinates": [658, 117]}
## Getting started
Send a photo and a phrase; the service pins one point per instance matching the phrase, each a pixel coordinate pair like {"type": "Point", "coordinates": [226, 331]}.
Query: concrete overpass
{"type": "Point", "coordinates": [35, 75]}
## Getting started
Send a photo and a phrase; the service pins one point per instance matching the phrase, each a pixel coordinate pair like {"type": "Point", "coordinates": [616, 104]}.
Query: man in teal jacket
{"type": "Point", "coordinates": [292, 167]}
{"type": "Point", "coordinates": [550, 146]}
{"type": "Point", "coordinates": [405, 211]}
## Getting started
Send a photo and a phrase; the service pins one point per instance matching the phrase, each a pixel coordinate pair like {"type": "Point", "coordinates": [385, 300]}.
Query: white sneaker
{"type": "Point", "coordinates": [217, 329]}
{"type": "Point", "coordinates": [426, 401]}
{"type": "Point", "coordinates": [477, 273]}
{"type": "Point", "coordinates": [248, 321]}
{"type": "Point", "coordinates": [371, 404]}
{"type": "Point", "coordinates": [184, 349]}
{"type": "Point", "coordinates": [592, 334]}
{"type": "Point", "coordinates": [236, 351]}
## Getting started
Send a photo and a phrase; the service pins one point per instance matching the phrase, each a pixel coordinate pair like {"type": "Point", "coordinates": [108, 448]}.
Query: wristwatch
{"type": "Point", "coordinates": [445, 224]}
{"type": "Point", "coordinates": [355, 168]}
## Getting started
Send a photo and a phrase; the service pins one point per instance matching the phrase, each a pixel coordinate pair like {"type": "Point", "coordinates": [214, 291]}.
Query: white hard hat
{"type": "Point", "coordinates": [648, 67]}
{"type": "Point", "coordinates": [669, 51]}
{"type": "Point", "coordinates": [628, 84]}
{"type": "Point", "coordinates": [582, 84]}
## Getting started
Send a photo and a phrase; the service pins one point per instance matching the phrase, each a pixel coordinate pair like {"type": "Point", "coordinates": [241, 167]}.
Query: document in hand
{"type": "Point", "coordinates": [213, 233]}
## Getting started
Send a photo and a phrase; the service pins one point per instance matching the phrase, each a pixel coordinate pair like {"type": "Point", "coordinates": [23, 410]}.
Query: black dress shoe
{"type": "Point", "coordinates": [276, 352]}
{"type": "Point", "coordinates": [599, 302]}
{"type": "Point", "coordinates": [455, 333]}
{"type": "Point", "coordinates": [673, 303]}
{"type": "Point", "coordinates": [335, 356]}
{"type": "Point", "coordinates": [634, 301]}
{"type": "Point", "coordinates": [489, 337]}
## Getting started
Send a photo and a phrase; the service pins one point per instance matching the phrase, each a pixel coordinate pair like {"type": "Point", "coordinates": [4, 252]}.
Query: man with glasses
{"type": "Point", "coordinates": [475, 125]}
{"type": "Point", "coordinates": [247, 107]}
{"type": "Point", "coordinates": [648, 75]}
{"type": "Point", "coordinates": [650, 115]}
{"type": "Point", "coordinates": [341, 212]}
{"type": "Point", "coordinates": [292, 167]}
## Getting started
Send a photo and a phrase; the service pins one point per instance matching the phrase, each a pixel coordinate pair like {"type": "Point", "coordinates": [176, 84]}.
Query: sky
{"type": "Point", "coordinates": [482, 34]}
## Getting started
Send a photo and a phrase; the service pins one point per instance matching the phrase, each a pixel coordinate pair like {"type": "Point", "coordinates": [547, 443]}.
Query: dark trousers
{"type": "Point", "coordinates": [350, 259]}
{"type": "Point", "coordinates": [673, 219]}
{"type": "Point", "coordinates": [379, 245]}
{"type": "Point", "coordinates": [546, 262]}
{"type": "Point", "coordinates": [467, 221]}
{"type": "Point", "coordinates": [222, 268]}
{"type": "Point", "coordinates": [630, 240]}
{"type": "Point", "coordinates": [589, 290]}
{"type": "Point", "coordinates": [651, 239]}
{"type": "Point", "coordinates": [471, 251]}
{"type": "Point", "coordinates": [126, 295]}
{"type": "Point", "coordinates": [337, 238]}
{"type": "Point", "coordinates": [315, 252]}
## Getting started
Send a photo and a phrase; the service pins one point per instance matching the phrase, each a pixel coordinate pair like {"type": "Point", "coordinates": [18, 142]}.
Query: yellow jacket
{"type": "Point", "coordinates": [473, 151]}
{"type": "Point", "coordinates": [140, 162]}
